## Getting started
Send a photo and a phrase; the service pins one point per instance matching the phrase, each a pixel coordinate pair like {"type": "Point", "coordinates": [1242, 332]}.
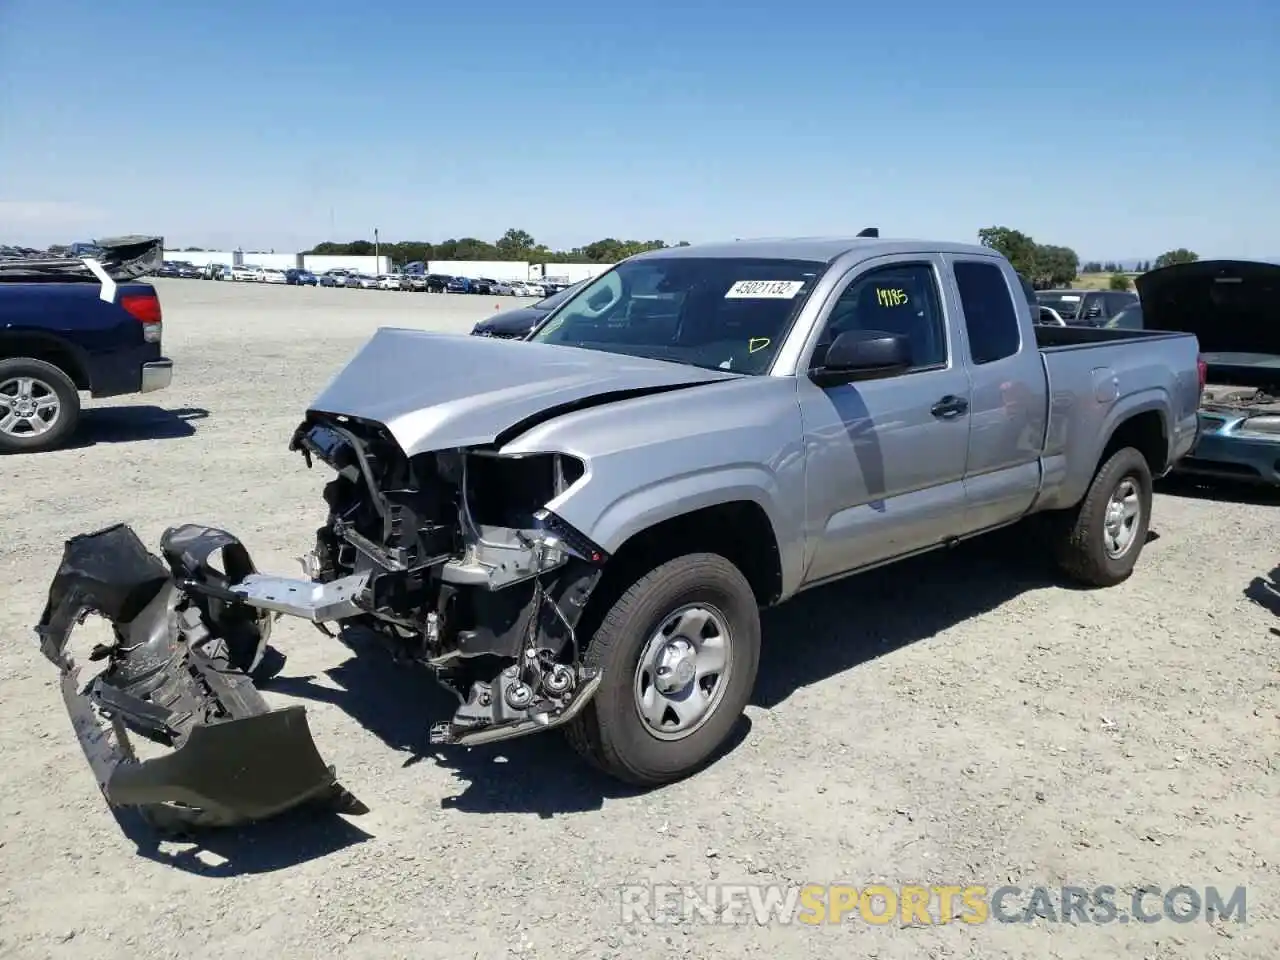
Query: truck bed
{"type": "Point", "coordinates": [1062, 338]}
{"type": "Point", "coordinates": [1093, 375]}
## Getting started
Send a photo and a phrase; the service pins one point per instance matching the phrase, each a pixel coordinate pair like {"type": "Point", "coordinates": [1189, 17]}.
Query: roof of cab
{"type": "Point", "coordinates": [819, 249]}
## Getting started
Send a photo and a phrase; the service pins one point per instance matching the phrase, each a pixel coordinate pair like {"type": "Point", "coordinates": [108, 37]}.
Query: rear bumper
{"type": "Point", "coordinates": [156, 375]}
{"type": "Point", "coordinates": [1223, 455]}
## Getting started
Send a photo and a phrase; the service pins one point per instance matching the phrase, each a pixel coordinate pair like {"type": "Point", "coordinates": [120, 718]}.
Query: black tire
{"type": "Point", "coordinates": [610, 733]}
{"type": "Point", "coordinates": [1079, 540]}
{"type": "Point", "coordinates": [49, 379]}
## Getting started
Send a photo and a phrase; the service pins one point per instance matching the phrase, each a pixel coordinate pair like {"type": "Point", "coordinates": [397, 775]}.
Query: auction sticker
{"type": "Point", "coordinates": [764, 289]}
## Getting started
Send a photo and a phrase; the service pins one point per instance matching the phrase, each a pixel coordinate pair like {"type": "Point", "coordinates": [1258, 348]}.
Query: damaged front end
{"type": "Point", "coordinates": [449, 557]}
{"type": "Point", "coordinates": [178, 674]}
{"type": "Point", "coordinates": [452, 558]}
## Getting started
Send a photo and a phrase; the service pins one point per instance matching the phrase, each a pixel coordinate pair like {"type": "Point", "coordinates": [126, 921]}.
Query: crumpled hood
{"type": "Point", "coordinates": [435, 391]}
{"type": "Point", "coordinates": [1232, 306]}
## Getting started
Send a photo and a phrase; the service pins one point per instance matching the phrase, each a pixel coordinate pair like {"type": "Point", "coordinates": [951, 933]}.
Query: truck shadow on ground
{"type": "Point", "coordinates": [815, 636]}
{"type": "Point", "coordinates": [1265, 592]}
{"type": "Point", "coordinates": [1220, 491]}
{"type": "Point", "coordinates": [130, 424]}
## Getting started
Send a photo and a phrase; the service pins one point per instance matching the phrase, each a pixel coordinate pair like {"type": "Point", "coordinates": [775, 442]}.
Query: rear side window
{"type": "Point", "coordinates": [990, 317]}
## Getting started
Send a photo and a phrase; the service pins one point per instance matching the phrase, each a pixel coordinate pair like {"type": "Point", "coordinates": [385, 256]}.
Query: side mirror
{"type": "Point", "coordinates": [863, 355]}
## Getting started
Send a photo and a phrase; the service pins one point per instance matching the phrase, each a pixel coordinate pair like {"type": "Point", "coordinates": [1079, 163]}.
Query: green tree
{"type": "Point", "coordinates": [1181, 255]}
{"type": "Point", "coordinates": [1093, 266]}
{"type": "Point", "coordinates": [1018, 248]}
{"type": "Point", "coordinates": [1054, 265]}
{"type": "Point", "coordinates": [515, 244]}
{"type": "Point", "coordinates": [1118, 281]}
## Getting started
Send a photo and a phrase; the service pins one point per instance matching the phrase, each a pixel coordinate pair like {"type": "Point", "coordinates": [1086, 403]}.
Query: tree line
{"type": "Point", "coordinates": [1045, 265]}
{"type": "Point", "coordinates": [513, 245]}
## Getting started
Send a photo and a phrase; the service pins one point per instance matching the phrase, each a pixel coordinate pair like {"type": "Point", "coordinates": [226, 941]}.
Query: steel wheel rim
{"type": "Point", "coordinates": [1123, 516]}
{"type": "Point", "coordinates": [29, 407]}
{"type": "Point", "coordinates": [683, 672]}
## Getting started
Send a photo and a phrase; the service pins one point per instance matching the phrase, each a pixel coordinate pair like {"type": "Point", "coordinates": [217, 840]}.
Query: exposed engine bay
{"type": "Point", "coordinates": [1252, 401]}
{"type": "Point", "coordinates": [450, 558]}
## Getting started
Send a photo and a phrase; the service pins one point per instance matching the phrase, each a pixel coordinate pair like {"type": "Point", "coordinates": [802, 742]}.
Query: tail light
{"type": "Point", "coordinates": [1202, 369]}
{"type": "Point", "coordinates": [145, 308]}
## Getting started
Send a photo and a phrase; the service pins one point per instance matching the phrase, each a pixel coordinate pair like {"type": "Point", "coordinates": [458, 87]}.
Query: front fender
{"type": "Point", "coordinates": [641, 508]}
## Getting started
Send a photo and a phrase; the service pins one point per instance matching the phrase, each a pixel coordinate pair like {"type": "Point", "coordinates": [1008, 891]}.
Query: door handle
{"type": "Point", "coordinates": [950, 407]}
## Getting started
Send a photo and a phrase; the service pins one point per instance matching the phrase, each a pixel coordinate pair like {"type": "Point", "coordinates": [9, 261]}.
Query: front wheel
{"type": "Point", "coordinates": [679, 651]}
{"type": "Point", "coordinates": [1099, 542]}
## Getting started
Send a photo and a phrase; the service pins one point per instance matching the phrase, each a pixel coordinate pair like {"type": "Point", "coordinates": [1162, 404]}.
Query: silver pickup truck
{"type": "Point", "coordinates": [579, 530]}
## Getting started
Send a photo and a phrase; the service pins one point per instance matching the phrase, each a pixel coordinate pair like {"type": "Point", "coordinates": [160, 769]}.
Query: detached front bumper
{"type": "Point", "coordinates": [1224, 452]}
{"type": "Point", "coordinates": [178, 674]}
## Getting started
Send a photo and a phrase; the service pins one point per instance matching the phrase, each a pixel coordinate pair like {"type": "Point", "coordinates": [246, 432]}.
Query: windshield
{"type": "Point", "coordinates": [725, 313]}
{"type": "Point", "coordinates": [1130, 318]}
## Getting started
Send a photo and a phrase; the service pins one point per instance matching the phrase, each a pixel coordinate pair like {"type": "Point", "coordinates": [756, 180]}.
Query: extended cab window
{"type": "Point", "coordinates": [990, 317]}
{"type": "Point", "coordinates": [900, 299]}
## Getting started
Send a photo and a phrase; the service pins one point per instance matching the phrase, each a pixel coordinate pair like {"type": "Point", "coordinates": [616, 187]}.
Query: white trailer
{"type": "Point", "coordinates": [567, 272]}
{"type": "Point", "coordinates": [318, 263]}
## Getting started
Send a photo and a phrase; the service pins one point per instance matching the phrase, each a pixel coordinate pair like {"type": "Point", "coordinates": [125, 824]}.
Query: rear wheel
{"type": "Point", "coordinates": [39, 406]}
{"type": "Point", "coordinates": [1099, 542]}
{"type": "Point", "coordinates": [678, 652]}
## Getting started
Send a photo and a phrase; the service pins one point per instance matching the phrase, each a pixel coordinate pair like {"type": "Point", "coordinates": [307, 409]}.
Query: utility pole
{"type": "Point", "coordinates": [377, 261]}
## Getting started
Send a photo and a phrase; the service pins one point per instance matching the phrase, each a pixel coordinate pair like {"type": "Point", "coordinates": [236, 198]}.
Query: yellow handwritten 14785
{"type": "Point", "coordinates": [891, 298]}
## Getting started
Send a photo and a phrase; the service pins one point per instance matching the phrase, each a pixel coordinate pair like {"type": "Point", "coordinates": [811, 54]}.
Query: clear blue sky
{"type": "Point", "coordinates": [1120, 129]}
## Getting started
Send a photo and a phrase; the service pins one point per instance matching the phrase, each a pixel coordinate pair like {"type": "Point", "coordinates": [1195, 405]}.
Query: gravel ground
{"type": "Point", "coordinates": [963, 719]}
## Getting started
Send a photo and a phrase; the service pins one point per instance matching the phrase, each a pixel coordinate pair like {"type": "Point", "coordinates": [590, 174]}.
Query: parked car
{"type": "Point", "coordinates": [392, 281]}
{"type": "Point", "coordinates": [334, 278]}
{"type": "Point", "coordinates": [272, 275]}
{"type": "Point", "coordinates": [503, 288]}
{"type": "Point", "coordinates": [458, 285]}
{"type": "Point", "coordinates": [437, 282]}
{"type": "Point", "coordinates": [1233, 309]}
{"type": "Point", "coordinates": [246, 273]}
{"type": "Point", "coordinates": [1086, 308]}
{"type": "Point", "coordinates": [483, 286]}
{"type": "Point", "coordinates": [581, 535]}
{"type": "Point", "coordinates": [362, 280]}
{"type": "Point", "coordinates": [216, 271]}
{"type": "Point", "coordinates": [516, 324]}
{"type": "Point", "coordinates": [63, 332]}
{"type": "Point", "coordinates": [417, 281]}
{"type": "Point", "coordinates": [178, 268]}
{"type": "Point", "coordinates": [300, 278]}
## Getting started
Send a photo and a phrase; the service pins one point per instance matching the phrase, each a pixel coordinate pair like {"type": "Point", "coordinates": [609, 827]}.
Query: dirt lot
{"type": "Point", "coordinates": [960, 720]}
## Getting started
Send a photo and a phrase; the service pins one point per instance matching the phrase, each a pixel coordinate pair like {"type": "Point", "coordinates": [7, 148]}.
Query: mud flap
{"type": "Point", "coordinates": [173, 677]}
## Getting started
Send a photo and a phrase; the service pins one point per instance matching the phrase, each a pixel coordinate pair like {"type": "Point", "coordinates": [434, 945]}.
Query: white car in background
{"type": "Point", "coordinates": [535, 290]}
{"type": "Point", "coordinates": [272, 275]}
{"type": "Point", "coordinates": [245, 272]}
{"type": "Point", "coordinates": [502, 288]}
{"type": "Point", "coordinates": [520, 289]}
{"type": "Point", "coordinates": [391, 281]}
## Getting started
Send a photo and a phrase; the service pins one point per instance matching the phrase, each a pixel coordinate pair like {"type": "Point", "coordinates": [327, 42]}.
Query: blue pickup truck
{"type": "Point", "coordinates": [71, 325]}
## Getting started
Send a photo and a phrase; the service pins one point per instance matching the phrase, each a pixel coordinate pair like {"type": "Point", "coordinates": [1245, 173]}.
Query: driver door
{"type": "Point", "coordinates": [886, 457]}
